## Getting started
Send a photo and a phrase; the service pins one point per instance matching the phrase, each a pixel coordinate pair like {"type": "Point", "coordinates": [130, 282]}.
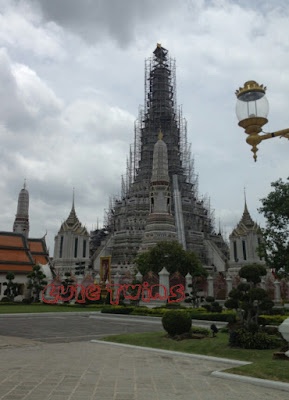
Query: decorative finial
{"type": "Point", "coordinates": [24, 186]}
{"type": "Point", "coordinates": [73, 197]}
{"type": "Point", "coordinates": [245, 200]}
{"type": "Point", "coordinates": [160, 136]}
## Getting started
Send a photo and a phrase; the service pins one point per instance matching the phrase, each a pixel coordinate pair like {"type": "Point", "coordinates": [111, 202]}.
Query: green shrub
{"type": "Point", "coordinates": [117, 310]}
{"type": "Point", "coordinates": [27, 301]}
{"type": "Point", "coordinates": [248, 340]}
{"type": "Point", "coordinates": [177, 322]}
{"type": "Point", "coordinates": [200, 331]}
{"type": "Point", "coordinates": [6, 300]}
{"type": "Point", "coordinates": [271, 330]}
{"type": "Point", "coordinates": [276, 311]}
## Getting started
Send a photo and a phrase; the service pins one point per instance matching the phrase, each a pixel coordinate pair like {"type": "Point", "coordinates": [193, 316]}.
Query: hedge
{"type": "Point", "coordinates": [272, 319]}
{"type": "Point", "coordinates": [226, 317]}
{"type": "Point", "coordinates": [117, 310]}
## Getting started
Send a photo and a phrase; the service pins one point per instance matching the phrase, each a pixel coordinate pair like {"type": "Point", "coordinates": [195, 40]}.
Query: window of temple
{"type": "Point", "coordinates": [75, 247]}
{"type": "Point", "coordinates": [84, 249]}
{"type": "Point", "coordinates": [61, 247]}
{"type": "Point", "coordinates": [235, 251]}
{"type": "Point", "coordinates": [244, 250]}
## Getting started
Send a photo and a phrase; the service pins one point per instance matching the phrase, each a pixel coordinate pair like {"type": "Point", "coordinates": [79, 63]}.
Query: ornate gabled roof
{"type": "Point", "coordinates": [72, 223]}
{"type": "Point", "coordinates": [246, 224]}
{"type": "Point", "coordinates": [72, 218]}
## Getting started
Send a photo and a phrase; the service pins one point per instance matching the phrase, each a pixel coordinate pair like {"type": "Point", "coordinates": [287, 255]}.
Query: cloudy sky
{"type": "Point", "coordinates": [72, 78]}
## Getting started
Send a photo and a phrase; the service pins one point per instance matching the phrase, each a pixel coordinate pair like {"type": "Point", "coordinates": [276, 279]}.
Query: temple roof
{"type": "Point", "coordinates": [72, 223]}
{"type": "Point", "coordinates": [246, 224]}
{"type": "Point", "coordinates": [14, 253]}
{"type": "Point", "coordinates": [20, 254]}
{"type": "Point", "coordinates": [39, 251]}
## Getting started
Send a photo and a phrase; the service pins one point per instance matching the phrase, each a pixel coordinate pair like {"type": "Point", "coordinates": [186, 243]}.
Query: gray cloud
{"type": "Point", "coordinates": [96, 20]}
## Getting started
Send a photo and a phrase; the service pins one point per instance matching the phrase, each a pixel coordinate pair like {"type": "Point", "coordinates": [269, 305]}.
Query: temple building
{"type": "Point", "coordinates": [71, 245]}
{"type": "Point", "coordinates": [129, 217]}
{"type": "Point", "coordinates": [244, 242]}
{"type": "Point", "coordinates": [18, 252]}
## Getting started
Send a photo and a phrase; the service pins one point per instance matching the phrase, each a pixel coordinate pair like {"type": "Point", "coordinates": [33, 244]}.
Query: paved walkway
{"type": "Point", "coordinates": [31, 370]}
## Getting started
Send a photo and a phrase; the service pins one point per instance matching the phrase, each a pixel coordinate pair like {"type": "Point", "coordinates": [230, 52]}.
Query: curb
{"type": "Point", "coordinates": [254, 381]}
{"type": "Point", "coordinates": [53, 314]}
{"type": "Point", "coordinates": [175, 353]}
{"type": "Point", "coordinates": [216, 374]}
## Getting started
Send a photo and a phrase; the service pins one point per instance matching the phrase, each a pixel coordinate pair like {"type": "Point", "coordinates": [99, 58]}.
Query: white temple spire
{"type": "Point", "coordinates": [21, 223]}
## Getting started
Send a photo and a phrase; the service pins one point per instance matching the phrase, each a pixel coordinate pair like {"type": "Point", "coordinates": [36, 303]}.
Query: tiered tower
{"type": "Point", "coordinates": [127, 216]}
{"type": "Point", "coordinates": [21, 223]}
{"type": "Point", "coordinates": [160, 225]}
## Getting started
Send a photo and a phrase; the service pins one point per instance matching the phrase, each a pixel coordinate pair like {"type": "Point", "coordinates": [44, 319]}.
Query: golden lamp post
{"type": "Point", "coordinates": [252, 109]}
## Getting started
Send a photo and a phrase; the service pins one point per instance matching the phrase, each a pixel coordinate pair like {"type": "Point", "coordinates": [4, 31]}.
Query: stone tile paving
{"type": "Point", "coordinates": [88, 371]}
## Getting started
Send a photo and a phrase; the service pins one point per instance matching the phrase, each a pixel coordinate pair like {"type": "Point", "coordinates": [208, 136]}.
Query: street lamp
{"type": "Point", "coordinates": [252, 110]}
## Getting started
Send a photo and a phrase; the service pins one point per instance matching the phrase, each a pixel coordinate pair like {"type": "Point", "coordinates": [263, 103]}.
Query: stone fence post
{"type": "Point", "coordinates": [229, 285]}
{"type": "Point", "coordinates": [188, 289]}
{"type": "Point", "coordinates": [97, 278]}
{"type": "Point", "coordinates": [164, 281]}
{"type": "Point", "coordinates": [139, 277]}
{"type": "Point", "coordinates": [116, 278]}
{"type": "Point", "coordinates": [210, 286]}
{"type": "Point", "coordinates": [277, 292]}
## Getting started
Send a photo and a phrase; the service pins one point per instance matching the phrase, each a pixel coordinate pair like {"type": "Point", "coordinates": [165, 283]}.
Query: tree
{"type": "Point", "coordinates": [247, 299]}
{"type": "Point", "coordinates": [12, 289]}
{"type": "Point", "coordinates": [275, 246]}
{"type": "Point", "coordinates": [173, 257]}
{"type": "Point", "coordinates": [36, 282]}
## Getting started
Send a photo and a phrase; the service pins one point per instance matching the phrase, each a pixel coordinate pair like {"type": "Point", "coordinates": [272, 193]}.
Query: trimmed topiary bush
{"type": "Point", "coordinates": [177, 322]}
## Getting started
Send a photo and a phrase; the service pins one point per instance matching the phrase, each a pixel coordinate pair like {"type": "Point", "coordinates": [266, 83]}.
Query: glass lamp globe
{"type": "Point", "coordinates": [252, 101]}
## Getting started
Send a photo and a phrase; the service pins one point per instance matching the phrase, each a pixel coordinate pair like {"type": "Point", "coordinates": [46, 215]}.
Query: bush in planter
{"type": "Point", "coordinates": [177, 322]}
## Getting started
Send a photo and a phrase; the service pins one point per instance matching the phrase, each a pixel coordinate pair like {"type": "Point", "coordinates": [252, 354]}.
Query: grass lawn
{"type": "Point", "coordinates": [263, 366]}
{"type": "Point", "coordinates": [43, 308]}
